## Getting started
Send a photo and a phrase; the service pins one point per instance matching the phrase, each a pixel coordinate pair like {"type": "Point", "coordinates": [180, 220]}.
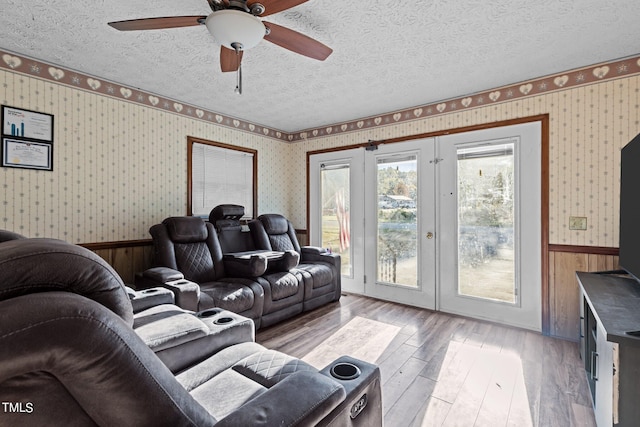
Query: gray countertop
{"type": "Point", "coordinates": [615, 300]}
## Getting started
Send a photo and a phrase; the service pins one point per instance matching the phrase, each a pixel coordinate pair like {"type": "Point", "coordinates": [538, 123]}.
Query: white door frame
{"type": "Point", "coordinates": [526, 313]}
{"type": "Point", "coordinates": [424, 295]}
{"type": "Point", "coordinates": [355, 159]}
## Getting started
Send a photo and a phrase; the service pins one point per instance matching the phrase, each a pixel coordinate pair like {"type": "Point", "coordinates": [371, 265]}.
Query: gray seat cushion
{"type": "Point", "coordinates": [228, 295]}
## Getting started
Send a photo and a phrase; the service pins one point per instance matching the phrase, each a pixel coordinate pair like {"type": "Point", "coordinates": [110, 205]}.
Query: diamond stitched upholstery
{"type": "Point", "coordinates": [283, 284]}
{"type": "Point", "coordinates": [269, 367]}
{"type": "Point", "coordinates": [195, 262]}
{"type": "Point", "coordinates": [281, 242]}
{"type": "Point", "coordinates": [322, 274]}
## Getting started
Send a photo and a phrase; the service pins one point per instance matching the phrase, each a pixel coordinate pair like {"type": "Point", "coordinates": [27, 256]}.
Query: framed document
{"type": "Point", "coordinates": [17, 153]}
{"type": "Point", "coordinates": [27, 124]}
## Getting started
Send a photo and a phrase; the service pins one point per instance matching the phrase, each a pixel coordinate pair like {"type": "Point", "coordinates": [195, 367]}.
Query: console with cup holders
{"type": "Point", "coordinates": [73, 346]}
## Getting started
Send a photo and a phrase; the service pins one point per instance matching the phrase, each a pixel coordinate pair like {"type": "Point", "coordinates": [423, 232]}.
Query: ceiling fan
{"type": "Point", "coordinates": [236, 26]}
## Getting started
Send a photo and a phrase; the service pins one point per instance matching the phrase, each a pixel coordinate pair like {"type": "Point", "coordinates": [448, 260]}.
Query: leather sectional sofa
{"type": "Point", "coordinates": [78, 348]}
{"type": "Point", "coordinates": [259, 271]}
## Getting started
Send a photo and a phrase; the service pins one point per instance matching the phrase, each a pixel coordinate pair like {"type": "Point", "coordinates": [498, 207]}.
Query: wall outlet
{"type": "Point", "coordinates": [577, 223]}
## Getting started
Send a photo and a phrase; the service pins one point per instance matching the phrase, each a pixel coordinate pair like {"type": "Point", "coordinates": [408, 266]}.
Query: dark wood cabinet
{"type": "Point", "coordinates": [609, 310]}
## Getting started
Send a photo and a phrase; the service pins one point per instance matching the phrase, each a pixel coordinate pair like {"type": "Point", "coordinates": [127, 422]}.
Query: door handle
{"type": "Point", "coordinates": [429, 235]}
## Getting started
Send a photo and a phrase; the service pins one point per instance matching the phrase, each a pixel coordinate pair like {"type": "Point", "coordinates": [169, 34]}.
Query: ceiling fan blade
{"type": "Point", "coordinates": [158, 23]}
{"type": "Point", "coordinates": [297, 42]}
{"type": "Point", "coordinates": [229, 61]}
{"type": "Point", "coordinates": [275, 6]}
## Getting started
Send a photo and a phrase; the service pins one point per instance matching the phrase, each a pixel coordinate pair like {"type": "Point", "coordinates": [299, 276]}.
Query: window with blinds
{"type": "Point", "coordinates": [221, 174]}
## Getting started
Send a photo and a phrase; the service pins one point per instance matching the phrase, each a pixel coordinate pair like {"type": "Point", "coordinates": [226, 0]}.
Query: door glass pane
{"type": "Point", "coordinates": [397, 182]}
{"type": "Point", "coordinates": [486, 258]}
{"type": "Point", "coordinates": [335, 198]}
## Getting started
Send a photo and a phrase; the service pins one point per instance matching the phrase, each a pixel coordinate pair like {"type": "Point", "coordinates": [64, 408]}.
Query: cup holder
{"type": "Point", "coordinates": [207, 313]}
{"type": "Point", "coordinates": [345, 371]}
{"type": "Point", "coordinates": [150, 291]}
{"type": "Point", "coordinates": [223, 320]}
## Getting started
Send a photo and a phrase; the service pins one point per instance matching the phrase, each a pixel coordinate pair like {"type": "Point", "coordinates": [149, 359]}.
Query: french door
{"type": "Point", "coordinates": [399, 230]}
{"type": "Point", "coordinates": [490, 224]}
{"type": "Point", "coordinates": [336, 183]}
{"type": "Point", "coordinates": [449, 223]}
{"type": "Point", "coordinates": [376, 209]}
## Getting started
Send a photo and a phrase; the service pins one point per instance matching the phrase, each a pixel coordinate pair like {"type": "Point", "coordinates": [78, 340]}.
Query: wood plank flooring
{"type": "Point", "coordinates": [444, 370]}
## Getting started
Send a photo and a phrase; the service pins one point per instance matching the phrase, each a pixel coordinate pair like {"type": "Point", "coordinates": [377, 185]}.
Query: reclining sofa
{"type": "Point", "coordinates": [77, 348]}
{"type": "Point", "coordinates": [259, 271]}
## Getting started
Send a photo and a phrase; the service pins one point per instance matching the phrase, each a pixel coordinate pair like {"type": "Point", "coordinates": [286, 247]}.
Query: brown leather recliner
{"type": "Point", "coordinates": [284, 286]}
{"type": "Point", "coordinates": [69, 356]}
{"type": "Point", "coordinates": [321, 269]}
{"type": "Point", "coordinates": [6, 235]}
{"type": "Point", "coordinates": [191, 264]}
{"type": "Point", "coordinates": [223, 265]}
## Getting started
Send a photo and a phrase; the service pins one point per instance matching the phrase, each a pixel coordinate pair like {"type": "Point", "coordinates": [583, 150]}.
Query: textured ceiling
{"type": "Point", "coordinates": [387, 55]}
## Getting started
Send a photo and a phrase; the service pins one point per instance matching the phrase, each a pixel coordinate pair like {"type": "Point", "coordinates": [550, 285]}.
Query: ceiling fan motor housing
{"type": "Point", "coordinates": [232, 27]}
{"type": "Point", "coordinates": [255, 9]}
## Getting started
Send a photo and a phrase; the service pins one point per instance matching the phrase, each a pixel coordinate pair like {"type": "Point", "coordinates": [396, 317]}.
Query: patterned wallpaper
{"type": "Point", "coordinates": [120, 165]}
{"type": "Point", "coordinates": [588, 126]}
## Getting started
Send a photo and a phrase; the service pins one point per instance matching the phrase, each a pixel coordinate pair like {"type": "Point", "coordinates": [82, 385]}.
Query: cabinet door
{"type": "Point", "coordinates": [582, 331]}
{"type": "Point", "coordinates": [603, 360]}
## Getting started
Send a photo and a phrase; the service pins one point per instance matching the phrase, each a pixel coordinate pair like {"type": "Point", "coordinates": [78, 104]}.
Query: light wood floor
{"type": "Point", "coordinates": [445, 370]}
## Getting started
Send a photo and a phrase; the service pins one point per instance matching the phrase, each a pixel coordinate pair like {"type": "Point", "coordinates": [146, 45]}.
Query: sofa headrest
{"type": "Point", "coordinates": [186, 229]}
{"type": "Point", "coordinates": [6, 235]}
{"type": "Point", "coordinates": [274, 223]}
{"type": "Point", "coordinates": [30, 266]}
{"type": "Point", "coordinates": [226, 212]}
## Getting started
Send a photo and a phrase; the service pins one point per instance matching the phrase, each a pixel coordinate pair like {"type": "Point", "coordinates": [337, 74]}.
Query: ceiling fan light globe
{"type": "Point", "coordinates": [233, 26]}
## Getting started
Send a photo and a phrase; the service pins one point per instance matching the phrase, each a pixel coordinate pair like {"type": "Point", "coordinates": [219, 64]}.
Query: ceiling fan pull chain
{"type": "Point", "coordinates": [238, 89]}
{"type": "Point", "coordinates": [239, 83]}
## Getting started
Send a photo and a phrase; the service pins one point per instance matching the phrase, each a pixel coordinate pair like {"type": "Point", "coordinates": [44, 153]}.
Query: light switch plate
{"type": "Point", "coordinates": [577, 223]}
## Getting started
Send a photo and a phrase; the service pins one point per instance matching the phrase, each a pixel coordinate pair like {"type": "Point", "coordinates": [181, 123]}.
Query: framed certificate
{"type": "Point", "coordinates": [17, 153]}
{"type": "Point", "coordinates": [27, 124]}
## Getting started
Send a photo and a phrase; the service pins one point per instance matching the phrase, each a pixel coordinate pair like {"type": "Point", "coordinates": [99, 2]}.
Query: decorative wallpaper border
{"type": "Point", "coordinates": [68, 77]}
{"type": "Point", "coordinates": [579, 77]}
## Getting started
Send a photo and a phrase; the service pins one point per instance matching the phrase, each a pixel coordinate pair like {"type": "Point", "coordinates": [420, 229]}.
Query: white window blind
{"type": "Point", "coordinates": [220, 176]}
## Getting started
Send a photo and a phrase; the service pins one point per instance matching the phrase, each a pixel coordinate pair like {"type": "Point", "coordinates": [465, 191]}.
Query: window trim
{"type": "Point", "coordinates": [193, 140]}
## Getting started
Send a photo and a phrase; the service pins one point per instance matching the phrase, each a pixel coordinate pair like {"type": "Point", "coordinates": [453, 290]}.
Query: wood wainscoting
{"type": "Point", "coordinates": [564, 300]}
{"type": "Point", "coordinates": [303, 237]}
{"type": "Point", "coordinates": [127, 258]}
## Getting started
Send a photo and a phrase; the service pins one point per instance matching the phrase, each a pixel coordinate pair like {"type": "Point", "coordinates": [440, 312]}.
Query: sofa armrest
{"type": "Point", "coordinates": [317, 254]}
{"type": "Point", "coordinates": [141, 300]}
{"type": "Point", "coordinates": [185, 292]}
{"type": "Point", "coordinates": [285, 262]}
{"type": "Point", "coordinates": [284, 404]}
{"type": "Point", "coordinates": [362, 405]}
{"type": "Point", "coordinates": [162, 274]}
{"type": "Point", "coordinates": [244, 264]}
